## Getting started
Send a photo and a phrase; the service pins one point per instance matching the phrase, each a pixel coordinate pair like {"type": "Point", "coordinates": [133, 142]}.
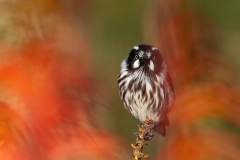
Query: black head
{"type": "Point", "coordinates": [145, 56]}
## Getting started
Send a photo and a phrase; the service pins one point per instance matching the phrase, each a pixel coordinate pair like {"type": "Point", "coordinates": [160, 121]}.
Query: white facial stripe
{"type": "Point", "coordinates": [136, 47]}
{"type": "Point", "coordinates": [154, 48]}
{"type": "Point", "coordinates": [151, 65]}
{"type": "Point", "coordinates": [136, 64]}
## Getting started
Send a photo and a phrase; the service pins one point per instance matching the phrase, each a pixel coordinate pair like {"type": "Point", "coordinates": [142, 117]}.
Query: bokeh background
{"type": "Point", "coordinates": [59, 63]}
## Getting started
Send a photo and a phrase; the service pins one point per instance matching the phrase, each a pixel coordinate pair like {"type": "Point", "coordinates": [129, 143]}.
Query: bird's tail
{"type": "Point", "coordinates": [161, 126]}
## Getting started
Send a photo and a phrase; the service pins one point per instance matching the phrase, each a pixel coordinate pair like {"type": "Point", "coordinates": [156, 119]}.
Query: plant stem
{"type": "Point", "coordinates": [145, 133]}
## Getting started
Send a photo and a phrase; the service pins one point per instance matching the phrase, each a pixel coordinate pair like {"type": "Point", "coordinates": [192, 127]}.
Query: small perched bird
{"type": "Point", "coordinates": [145, 86]}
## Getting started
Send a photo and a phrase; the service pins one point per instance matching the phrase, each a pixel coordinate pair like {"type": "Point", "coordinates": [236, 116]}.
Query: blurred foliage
{"type": "Point", "coordinates": [205, 114]}
{"type": "Point", "coordinates": [47, 88]}
{"type": "Point", "coordinates": [59, 64]}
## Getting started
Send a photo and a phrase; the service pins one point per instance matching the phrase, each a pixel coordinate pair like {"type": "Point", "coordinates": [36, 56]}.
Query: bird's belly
{"type": "Point", "coordinates": [142, 108]}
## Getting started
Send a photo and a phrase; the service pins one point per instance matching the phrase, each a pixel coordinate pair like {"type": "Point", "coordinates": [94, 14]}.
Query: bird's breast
{"type": "Point", "coordinates": [142, 97]}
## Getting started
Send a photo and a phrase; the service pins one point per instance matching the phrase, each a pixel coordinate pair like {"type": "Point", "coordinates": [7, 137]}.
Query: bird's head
{"type": "Point", "coordinates": [145, 57]}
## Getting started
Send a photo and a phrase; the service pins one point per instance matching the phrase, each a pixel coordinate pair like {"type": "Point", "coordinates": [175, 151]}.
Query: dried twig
{"type": "Point", "coordinates": [145, 133]}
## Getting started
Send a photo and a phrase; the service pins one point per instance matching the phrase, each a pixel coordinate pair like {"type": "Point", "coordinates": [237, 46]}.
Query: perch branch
{"type": "Point", "coordinates": [145, 133]}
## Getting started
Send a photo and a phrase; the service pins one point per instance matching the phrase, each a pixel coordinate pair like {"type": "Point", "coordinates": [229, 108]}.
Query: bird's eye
{"type": "Point", "coordinates": [136, 57]}
{"type": "Point", "coordinates": [153, 57]}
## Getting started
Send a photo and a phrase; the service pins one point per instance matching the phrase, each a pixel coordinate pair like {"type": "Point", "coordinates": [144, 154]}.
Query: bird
{"type": "Point", "coordinates": [145, 86]}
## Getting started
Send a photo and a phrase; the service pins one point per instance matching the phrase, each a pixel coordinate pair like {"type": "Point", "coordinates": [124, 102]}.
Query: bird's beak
{"type": "Point", "coordinates": [144, 58]}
